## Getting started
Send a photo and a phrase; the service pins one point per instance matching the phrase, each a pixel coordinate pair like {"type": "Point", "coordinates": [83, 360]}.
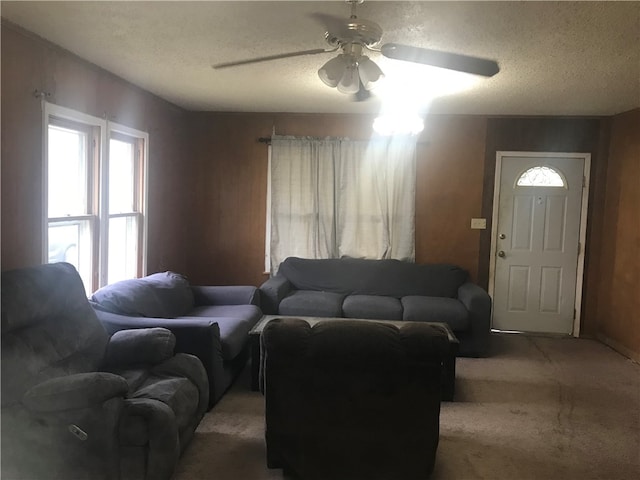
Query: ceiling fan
{"type": "Point", "coordinates": [351, 72]}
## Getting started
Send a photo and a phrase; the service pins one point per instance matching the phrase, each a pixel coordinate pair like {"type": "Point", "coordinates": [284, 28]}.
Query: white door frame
{"type": "Point", "coordinates": [583, 221]}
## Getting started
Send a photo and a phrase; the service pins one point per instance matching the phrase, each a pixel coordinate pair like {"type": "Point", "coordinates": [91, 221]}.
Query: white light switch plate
{"type": "Point", "coordinates": [478, 223]}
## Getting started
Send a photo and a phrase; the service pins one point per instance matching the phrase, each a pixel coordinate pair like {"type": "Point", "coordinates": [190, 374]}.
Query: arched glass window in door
{"type": "Point", "coordinates": [541, 176]}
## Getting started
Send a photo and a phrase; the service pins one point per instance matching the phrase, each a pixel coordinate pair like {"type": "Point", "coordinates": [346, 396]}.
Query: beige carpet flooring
{"type": "Point", "coordinates": [538, 408]}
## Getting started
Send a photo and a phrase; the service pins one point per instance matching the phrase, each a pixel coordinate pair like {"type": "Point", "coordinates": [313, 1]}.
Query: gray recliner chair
{"type": "Point", "coordinates": [79, 404]}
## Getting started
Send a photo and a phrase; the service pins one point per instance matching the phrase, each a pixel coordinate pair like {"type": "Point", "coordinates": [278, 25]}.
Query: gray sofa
{"type": "Point", "coordinates": [79, 404]}
{"type": "Point", "coordinates": [210, 322]}
{"type": "Point", "coordinates": [385, 290]}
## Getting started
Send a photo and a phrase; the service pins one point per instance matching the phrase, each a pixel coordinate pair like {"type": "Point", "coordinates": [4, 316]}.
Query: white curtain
{"type": "Point", "coordinates": [332, 198]}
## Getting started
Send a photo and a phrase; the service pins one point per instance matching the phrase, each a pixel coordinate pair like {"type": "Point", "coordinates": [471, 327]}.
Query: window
{"type": "Point", "coordinates": [95, 177]}
{"type": "Point", "coordinates": [541, 176]}
{"type": "Point", "coordinates": [71, 203]}
{"type": "Point", "coordinates": [125, 213]}
{"type": "Point", "coordinates": [330, 198]}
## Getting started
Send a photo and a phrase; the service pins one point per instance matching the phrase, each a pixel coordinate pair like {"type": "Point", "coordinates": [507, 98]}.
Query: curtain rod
{"type": "Point", "coordinates": [267, 140]}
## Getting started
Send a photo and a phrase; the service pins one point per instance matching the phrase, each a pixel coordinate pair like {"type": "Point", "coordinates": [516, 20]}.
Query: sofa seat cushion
{"type": "Point", "coordinates": [161, 295]}
{"type": "Point", "coordinates": [213, 311]}
{"type": "Point", "coordinates": [436, 309]}
{"type": "Point", "coordinates": [372, 306]}
{"type": "Point", "coordinates": [234, 322]}
{"type": "Point", "coordinates": [312, 303]}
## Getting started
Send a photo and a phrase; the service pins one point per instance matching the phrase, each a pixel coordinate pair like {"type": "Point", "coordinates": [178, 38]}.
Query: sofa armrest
{"type": "Point", "coordinates": [478, 302]}
{"type": "Point", "coordinates": [204, 342]}
{"type": "Point", "coordinates": [272, 291]}
{"type": "Point", "coordinates": [226, 295]}
{"type": "Point", "coordinates": [72, 392]}
{"type": "Point", "coordinates": [143, 345]}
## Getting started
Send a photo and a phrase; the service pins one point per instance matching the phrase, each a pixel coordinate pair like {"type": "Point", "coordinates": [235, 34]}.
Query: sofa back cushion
{"type": "Point", "coordinates": [359, 276]}
{"type": "Point", "coordinates": [161, 295]}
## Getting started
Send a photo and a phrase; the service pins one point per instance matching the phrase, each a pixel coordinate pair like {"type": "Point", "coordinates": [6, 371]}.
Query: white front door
{"type": "Point", "coordinates": [536, 241]}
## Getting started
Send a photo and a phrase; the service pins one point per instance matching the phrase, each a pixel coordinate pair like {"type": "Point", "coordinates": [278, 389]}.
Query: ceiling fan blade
{"type": "Point", "coordinates": [271, 57]}
{"type": "Point", "coordinates": [452, 61]}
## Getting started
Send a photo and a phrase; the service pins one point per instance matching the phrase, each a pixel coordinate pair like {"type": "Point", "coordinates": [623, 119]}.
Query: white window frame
{"type": "Point", "coordinates": [142, 200]}
{"type": "Point", "coordinates": [267, 242]}
{"type": "Point", "coordinates": [99, 211]}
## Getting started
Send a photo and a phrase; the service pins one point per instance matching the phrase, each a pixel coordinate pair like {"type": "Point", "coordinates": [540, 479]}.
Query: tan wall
{"type": "Point", "coordinates": [618, 307]}
{"type": "Point", "coordinates": [29, 64]}
{"type": "Point", "coordinates": [229, 245]}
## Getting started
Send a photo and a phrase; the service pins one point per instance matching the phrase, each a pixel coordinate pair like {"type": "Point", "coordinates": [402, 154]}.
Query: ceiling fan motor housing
{"type": "Point", "coordinates": [358, 31]}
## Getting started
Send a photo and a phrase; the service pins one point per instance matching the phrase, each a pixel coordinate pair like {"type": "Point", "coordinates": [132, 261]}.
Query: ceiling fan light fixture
{"type": "Point", "coordinates": [348, 71]}
{"type": "Point", "coordinates": [332, 72]}
{"type": "Point", "coordinates": [350, 81]}
{"type": "Point", "coordinates": [370, 72]}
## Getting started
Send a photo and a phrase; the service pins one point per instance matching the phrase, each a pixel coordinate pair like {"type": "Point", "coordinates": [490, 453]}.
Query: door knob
{"type": "Point", "coordinates": [502, 236]}
{"type": "Point", "coordinates": [501, 254]}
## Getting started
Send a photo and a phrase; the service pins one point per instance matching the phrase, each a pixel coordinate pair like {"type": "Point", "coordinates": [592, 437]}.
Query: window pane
{"type": "Point", "coordinates": [123, 248]}
{"type": "Point", "coordinates": [67, 181]}
{"type": "Point", "coordinates": [121, 177]}
{"type": "Point", "coordinates": [540, 177]}
{"type": "Point", "coordinates": [71, 242]}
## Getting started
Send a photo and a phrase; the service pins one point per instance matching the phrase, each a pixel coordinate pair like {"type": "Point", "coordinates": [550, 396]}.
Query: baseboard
{"type": "Point", "coordinates": [617, 346]}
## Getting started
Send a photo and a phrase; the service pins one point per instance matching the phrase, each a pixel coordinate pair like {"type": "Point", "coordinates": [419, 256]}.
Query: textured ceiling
{"type": "Point", "coordinates": [556, 58]}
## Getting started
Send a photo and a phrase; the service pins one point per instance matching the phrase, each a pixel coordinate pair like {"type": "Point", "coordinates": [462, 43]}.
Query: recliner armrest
{"type": "Point", "coordinates": [226, 295]}
{"type": "Point", "coordinates": [71, 392]}
{"type": "Point", "coordinates": [141, 345]}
